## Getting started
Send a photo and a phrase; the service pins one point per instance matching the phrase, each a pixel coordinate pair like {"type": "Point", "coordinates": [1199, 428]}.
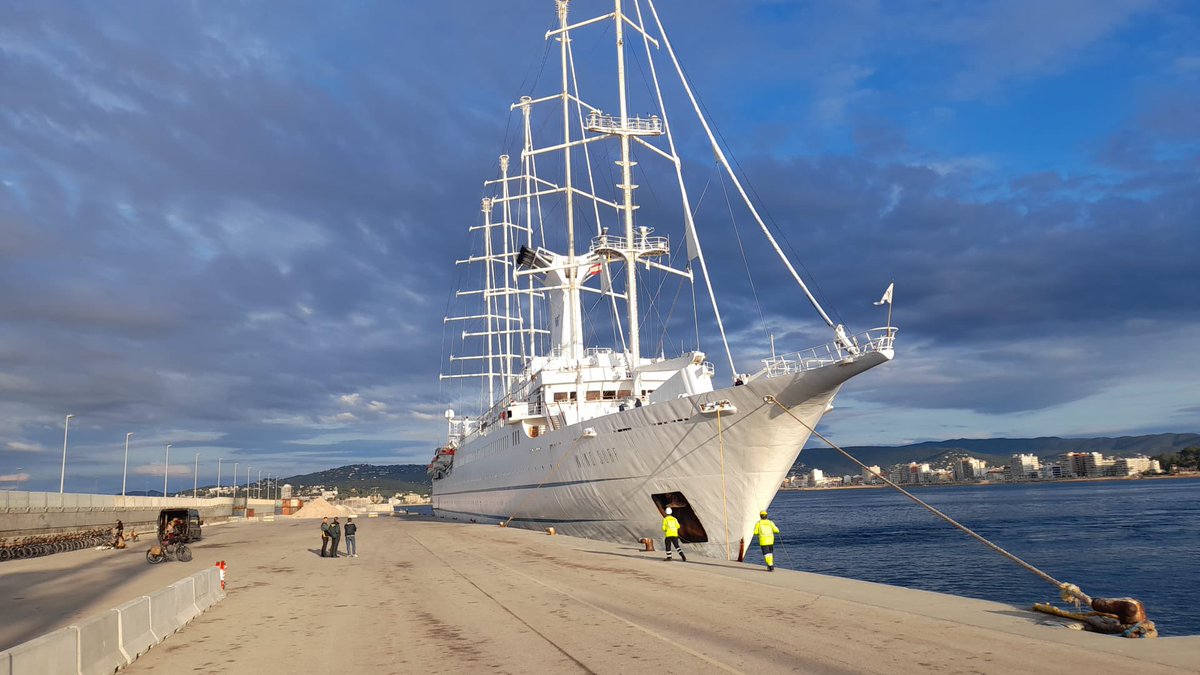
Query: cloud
{"type": "Point", "coordinates": [184, 469]}
{"type": "Point", "coordinates": [14, 478]}
{"type": "Point", "coordinates": [266, 265]}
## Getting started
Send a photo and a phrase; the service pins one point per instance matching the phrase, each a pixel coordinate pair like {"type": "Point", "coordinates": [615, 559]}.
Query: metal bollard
{"type": "Point", "coordinates": [647, 542]}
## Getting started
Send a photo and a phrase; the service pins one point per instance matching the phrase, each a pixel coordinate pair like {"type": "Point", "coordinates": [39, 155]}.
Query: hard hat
{"type": "Point", "coordinates": [762, 514]}
{"type": "Point", "coordinates": [668, 510]}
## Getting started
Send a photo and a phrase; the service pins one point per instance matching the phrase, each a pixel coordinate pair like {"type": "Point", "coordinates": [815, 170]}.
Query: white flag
{"type": "Point", "coordinates": [887, 295]}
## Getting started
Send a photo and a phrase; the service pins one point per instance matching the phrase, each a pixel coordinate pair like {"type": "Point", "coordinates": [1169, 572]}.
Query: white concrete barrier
{"type": "Point", "coordinates": [163, 620]}
{"type": "Point", "coordinates": [100, 644]}
{"type": "Point", "coordinates": [185, 601]}
{"type": "Point", "coordinates": [204, 593]}
{"type": "Point", "coordinates": [104, 643]}
{"type": "Point", "coordinates": [55, 653]}
{"type": "Point", "coordinates": [136, 636]}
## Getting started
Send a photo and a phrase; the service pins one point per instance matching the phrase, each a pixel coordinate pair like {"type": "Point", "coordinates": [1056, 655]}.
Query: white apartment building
{"type": "Point", "coordinates": [1131, 466]}
{"type": "Point", "coordinates": [969, 468]}
{"type": "Point", "coordinates": [1024, 467]}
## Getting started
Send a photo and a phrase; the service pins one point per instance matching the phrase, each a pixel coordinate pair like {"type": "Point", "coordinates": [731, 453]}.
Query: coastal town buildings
{"type": "Point", "coordinates": [967, 469]}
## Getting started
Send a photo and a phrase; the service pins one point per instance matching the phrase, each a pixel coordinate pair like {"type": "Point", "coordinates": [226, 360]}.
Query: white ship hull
{"type": "Point", "coordinates": [603, 486]}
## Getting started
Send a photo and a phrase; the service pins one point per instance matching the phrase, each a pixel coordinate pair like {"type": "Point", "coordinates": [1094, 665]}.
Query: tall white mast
{"type": "Point", "coordinates": [506, 213]}
{"type": "Point", "coordinates": [489, 299]}
{"type": "Point", "coordinates": [575, 345]}
{"type": "Point", "coordinates": [631, 259]}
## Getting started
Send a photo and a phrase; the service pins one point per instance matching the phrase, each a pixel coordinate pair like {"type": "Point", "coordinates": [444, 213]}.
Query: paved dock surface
{"type": "Point", "coordinates": [447, 597]}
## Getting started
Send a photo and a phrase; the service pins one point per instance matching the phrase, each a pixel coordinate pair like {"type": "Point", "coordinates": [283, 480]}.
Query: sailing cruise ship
{"type": "Point", "coordinates": [597, 441]}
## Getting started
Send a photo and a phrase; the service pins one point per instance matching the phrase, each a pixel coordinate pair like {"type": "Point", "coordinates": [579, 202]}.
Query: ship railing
{"type": "Point", "coordinates": [873, 340]}
{"type": "Point", "coordinates": [604, 123]}
{"type": "Point", "coordinates": [605, 244]}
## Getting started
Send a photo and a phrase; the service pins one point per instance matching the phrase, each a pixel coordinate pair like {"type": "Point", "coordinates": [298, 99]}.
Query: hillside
{"type": "Point", "coordinates": [387, 478]}
{"type": "Point", "coordinates": [996, 451]}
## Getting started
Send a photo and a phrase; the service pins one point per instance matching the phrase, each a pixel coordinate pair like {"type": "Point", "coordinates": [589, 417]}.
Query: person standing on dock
{"type": "Point", "coordinates": [351, 546]}
{"type": "Point", "coordinates": [335, 534]}
{"type": "Point", "coordinates": [670, 529]}
{"type": "Point", "coordinates": [766, 532]}
{"type": "Point", "coordinates": [324, 536]}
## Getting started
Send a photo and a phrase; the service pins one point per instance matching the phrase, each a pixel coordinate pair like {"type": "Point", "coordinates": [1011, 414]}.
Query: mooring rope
{"type": "Point", "coordinates": [1069, 592]}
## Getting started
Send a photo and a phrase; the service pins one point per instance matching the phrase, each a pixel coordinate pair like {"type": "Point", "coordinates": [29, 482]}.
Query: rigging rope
{"type": "Point", "coordinates": [1069, 591]}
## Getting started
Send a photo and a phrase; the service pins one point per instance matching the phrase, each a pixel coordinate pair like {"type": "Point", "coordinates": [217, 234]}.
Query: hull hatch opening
{"type": "Point", "coordinates": [691, 531]}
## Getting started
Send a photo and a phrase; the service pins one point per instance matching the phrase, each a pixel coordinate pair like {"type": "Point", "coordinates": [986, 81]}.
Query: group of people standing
{"type": "Point", "coordinates": [764, 529]}
{"type": "Point", "coordinates": [331, 536]}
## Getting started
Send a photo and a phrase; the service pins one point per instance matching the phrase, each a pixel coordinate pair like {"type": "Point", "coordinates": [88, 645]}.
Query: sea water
{"type": "Point", "coordinates": [1135, 538]}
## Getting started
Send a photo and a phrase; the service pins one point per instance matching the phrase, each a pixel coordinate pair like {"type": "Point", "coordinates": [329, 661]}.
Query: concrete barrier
{"type": "Point", "coordinates": [163, 620]}
{"type": "Point", "coordinates": [204, 593]}
{"type": "Point", "coordinates": [100, 644]}
{"type": "Point", "coordinates": [136, 636]}
{"type": "Point", "coordinates": [51, 654]}
{"type": "Point", "coordinates": [104, 643]}
{"type": "Point", "coordinates": [185, 601]}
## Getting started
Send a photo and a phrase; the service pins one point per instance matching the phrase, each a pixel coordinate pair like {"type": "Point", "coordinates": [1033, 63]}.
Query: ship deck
{"type": "Point", "coordinates": [428, 596]}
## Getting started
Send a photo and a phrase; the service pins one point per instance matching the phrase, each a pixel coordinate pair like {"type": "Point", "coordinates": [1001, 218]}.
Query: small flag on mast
{"type": "Point", "coordinates": [887, 295]}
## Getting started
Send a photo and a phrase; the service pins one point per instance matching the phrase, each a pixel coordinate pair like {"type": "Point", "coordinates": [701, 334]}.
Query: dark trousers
{"type": "Point", "coordinates": [668, 541]}
{"type": "Point", "coordinates": [333, 547]}
{"type": "Point", "coordinates": [324, 545]}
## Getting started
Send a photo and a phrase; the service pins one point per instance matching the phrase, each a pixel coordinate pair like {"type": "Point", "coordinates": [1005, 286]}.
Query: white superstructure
{"type": "Point", "coordinates": [598, 441]}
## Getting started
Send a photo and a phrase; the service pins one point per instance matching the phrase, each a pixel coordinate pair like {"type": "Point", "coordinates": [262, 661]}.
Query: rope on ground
{"type": "Point", "coordinates": [1129, 610]}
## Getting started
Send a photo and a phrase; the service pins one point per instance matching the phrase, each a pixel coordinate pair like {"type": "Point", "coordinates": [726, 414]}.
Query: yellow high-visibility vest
{"type": "Point", "coordinates": [670, 526]}
{"type": "Point", "coordinates": [766, 532]}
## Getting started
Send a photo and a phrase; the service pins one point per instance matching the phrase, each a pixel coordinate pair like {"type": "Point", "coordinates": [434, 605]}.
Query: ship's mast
{"type": "Point", "coordinates": [627, 187]}
{"type": "Point", "coordinates": [575, 344]}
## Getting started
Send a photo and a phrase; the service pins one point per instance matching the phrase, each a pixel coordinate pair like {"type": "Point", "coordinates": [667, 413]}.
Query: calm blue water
{"type": "Point", "coordinates": [1122, 538]}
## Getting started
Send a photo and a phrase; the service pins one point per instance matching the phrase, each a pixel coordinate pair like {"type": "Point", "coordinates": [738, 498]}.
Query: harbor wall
{"type": "Point", "coordinates": [34, 513]}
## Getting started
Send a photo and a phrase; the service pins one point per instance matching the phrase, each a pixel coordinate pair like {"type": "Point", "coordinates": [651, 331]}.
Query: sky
{"type": "Point", "coordinates": [233, 228]}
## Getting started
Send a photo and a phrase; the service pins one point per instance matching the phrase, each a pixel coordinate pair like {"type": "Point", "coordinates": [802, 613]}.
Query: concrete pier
{"type": "Point", "coordinates": [445, 597]}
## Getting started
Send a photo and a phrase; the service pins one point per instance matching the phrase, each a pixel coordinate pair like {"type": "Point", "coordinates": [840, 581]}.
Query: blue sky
{"type": "Point", "coordinates": [232, 228]}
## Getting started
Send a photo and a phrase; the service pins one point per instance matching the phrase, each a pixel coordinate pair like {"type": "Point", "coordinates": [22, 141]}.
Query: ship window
{"type": "Point", "coordinates": [560, 396]}
{"type": "Point", "coordinates": [610, 395]}
{"type": "Point", "coordinates": [593, 396]}
{"type": "Point", "coordinates": [624, 393]}
{"type": "Point", "coordinates": [690, 528]}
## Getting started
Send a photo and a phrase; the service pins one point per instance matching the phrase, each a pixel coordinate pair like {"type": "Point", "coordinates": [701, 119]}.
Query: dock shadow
{"type": "Point", "coordinates": [652, 555]}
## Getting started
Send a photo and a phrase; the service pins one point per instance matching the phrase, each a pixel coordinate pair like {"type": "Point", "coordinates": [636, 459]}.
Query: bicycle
{"type": "Point", "coordinates": [169, 551]}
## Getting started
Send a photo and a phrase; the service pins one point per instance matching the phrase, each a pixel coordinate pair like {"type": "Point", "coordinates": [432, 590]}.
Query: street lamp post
{"type": "Point", "coordinates": [258, 485]}
{"type": "Point", "coordinates": [63, 479]}
{"type": "Point", "coordinates": [248, 485]}
{"type": "Point", "coordinates": [166, 466]}
{"type": "Point", "coordinates": [125, 471]}
{"type": "Point", "coordinates": [219, 476]}
{"type": "Point", "coordinates": [196, 478]}
{"type": "Point", "coordinates": [235, 466]}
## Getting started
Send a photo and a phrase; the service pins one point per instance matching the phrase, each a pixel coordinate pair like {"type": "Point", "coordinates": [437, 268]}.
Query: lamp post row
{"type": "Point", "coordinates": [62, 479]}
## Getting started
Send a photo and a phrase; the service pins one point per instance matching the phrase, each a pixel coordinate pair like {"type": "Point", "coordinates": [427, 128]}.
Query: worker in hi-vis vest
{"type": "Point", "coordinates": [766, 532]}
{"type": "Point", "coordinates": [671, 535]}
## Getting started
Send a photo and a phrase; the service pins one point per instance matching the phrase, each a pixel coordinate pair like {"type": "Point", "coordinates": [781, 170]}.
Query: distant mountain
{"type": "Point", "coordinates": [387, 478]}
{"type": "Point", "coordinates": [142, 493]}
{"type": "Point", "coordinates": [996, 451]}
